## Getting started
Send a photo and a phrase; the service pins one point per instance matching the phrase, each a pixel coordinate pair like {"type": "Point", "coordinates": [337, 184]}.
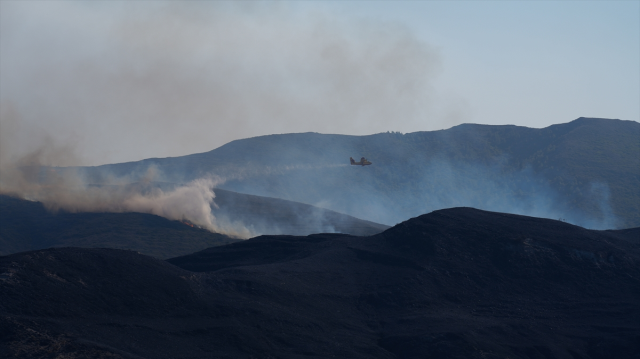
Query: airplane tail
{"type": "Point", "coordinates": [352, 161]}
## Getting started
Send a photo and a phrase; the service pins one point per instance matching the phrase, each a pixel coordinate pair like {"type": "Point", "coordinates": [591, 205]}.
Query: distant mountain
{"type": "Point", "coordinates": [26, 225]}
{"type": "Point", "coordinates": [456, 283]}
{"type": "Point", "coordinates": [586, 172]}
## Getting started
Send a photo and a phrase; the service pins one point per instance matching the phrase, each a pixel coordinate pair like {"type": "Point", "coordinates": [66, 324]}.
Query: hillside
{"type": "Point", "coordinates": [456, 283]}
{"type": "Point", "coordinates": [26, 225]}
{"type": "Point", "coordinates": [586, 172]}
{"type": "Point", "coordinates": [265, 215]}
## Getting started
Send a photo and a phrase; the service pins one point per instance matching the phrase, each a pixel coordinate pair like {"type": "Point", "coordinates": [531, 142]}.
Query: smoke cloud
{"type": "Point", "coordinates": [126, 81]}
{"type": "Point", "coordinates": [31, 176]}
{"type": "Point", "coordinates": [93, 83]}
{"type": "Point", "coordinates": [87, 83]}
{"type": "Point", "coordinates": [67, 190]}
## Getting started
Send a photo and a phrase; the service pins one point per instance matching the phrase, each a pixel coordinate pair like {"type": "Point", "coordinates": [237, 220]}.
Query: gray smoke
{"type": "Point", "coordinates": [85, 83]}
{"type": "Point", "coordinates": [89, 83]}
{"type": "Point", "coordinates": [32, 177]}
{"type": "Point", "coordinates": [136, 80]}
{"type": "Point", "coordinates": [67, 190]}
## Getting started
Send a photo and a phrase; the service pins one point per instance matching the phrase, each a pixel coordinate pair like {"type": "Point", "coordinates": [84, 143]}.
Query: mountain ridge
{"type": "Point", "coordinates": [586, 171]}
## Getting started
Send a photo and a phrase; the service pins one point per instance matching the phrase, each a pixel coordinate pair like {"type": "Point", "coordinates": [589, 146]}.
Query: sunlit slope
{"type": "Point", "coordinates": [586, 172]}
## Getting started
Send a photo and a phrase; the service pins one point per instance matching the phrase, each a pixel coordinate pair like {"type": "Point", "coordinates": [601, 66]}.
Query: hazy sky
{"type": "Point", "coordinates": [101, 82]}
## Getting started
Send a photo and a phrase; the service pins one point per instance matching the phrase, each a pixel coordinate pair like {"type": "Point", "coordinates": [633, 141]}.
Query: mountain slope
{"type": "Point", "coordinates": [265, 215]}
{"type": "Point", "coordinates": [457, 283]}
{"type": "Point", "coordinates": [26, 225]}
{"type": "Point", "coordinates": [586, 172]}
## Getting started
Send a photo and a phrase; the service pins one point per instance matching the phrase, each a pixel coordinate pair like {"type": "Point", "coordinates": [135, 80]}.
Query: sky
{"type": "Point", "coordinates": [89, 83]}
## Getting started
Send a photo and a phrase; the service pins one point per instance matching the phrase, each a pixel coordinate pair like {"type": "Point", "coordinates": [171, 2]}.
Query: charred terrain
{"type": "Point", "coordinates": [456, 283]}
{"type": "Point", "coordinates": [27, 225]}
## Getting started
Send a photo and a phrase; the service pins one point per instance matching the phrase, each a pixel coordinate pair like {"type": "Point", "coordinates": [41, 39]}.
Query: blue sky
{"type": "Point", "coordinates": [119, 81]}
{"type": "Point", "coordinates": [531, 63]}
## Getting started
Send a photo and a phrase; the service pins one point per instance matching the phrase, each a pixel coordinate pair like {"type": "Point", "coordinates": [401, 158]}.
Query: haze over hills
{"type": "Point", "coordinates": [456, 283]}
{"type": "Point", "coordinates": [27, 225]}
{"type": "Point", "coordinates": [586, 172]}
{"type": "Point", "coordinates": [263, 215]}
{"type": "Point", "coordinates": [262, 240]}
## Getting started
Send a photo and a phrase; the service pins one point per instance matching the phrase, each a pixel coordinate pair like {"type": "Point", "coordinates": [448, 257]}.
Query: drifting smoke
{"type": "Point", "coordinates": [192, 202]}
{"type": "Point", "coordinates": [108, 82]}
{"type": "Point", "coordinates": [411, 175]}
{"type": "Point", "coordinates": [120, 81]}
{"type": "Point", "coordinates": [71, 189]}
{"type": "Point", "coordinates": [445, 184]}
{"type": "Point", "coordinates": [181, 78]}
{"type": "Point", "coordinates": [32, 177]}
{"type": "Point", "coordinates": [65, 190]}
{"type": "Point", "coordinates": [165, 78]}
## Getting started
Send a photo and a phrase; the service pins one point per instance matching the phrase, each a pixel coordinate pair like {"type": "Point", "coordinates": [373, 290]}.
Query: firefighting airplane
{"type": "Point", "coordinates": [363, 162]}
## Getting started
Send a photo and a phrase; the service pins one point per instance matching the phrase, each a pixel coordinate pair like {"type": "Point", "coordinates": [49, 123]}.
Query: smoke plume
{"type": "Point", "coordinates": [127, 81]}
{"type": "Point", "coordinates": [66, 190]}
{"type": "Point", "coordinates": [91, 83]}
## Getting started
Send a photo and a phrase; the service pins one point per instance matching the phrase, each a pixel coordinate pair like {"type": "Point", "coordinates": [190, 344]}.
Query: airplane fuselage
{"type": "Point", "coordinates": [362, 162]}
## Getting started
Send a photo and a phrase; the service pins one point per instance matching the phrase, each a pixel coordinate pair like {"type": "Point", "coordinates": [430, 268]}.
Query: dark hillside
{"type": "Point", "coordinates": [26, 225]}
{"type": "Point", "coordinates": [586, 171]}
{"type": "Point", "coordinates": [456, 283]}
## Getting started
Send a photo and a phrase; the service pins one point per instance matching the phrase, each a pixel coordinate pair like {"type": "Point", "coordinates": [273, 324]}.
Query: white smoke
{"type": "Point", "coordinates": [191, 202]}
{"type": "Point", "coordinates": [66, 190]}
{"type": "Point", "coordinates": [164, 78]}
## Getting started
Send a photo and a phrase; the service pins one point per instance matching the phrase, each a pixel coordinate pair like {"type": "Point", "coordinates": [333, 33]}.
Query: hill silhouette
{"type": "Point", "coordinates": [455, 283]}
{"type": "Point", "coordinates": [586, 172]}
